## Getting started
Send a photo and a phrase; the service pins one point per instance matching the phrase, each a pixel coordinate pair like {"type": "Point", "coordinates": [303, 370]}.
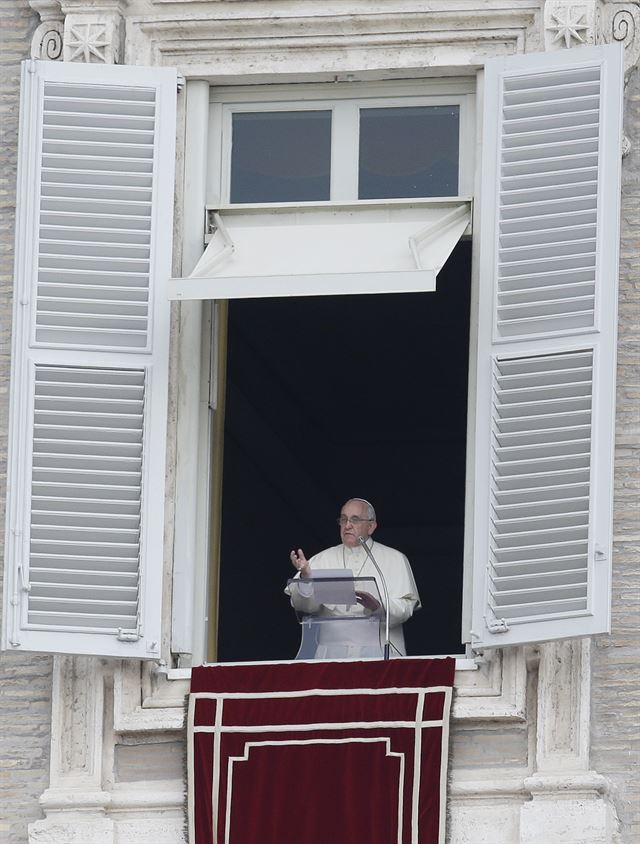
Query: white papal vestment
{"type": "Point", "coordinates": [341, 640]}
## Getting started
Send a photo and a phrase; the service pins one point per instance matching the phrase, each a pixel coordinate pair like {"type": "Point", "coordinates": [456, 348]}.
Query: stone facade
{"type": "Point", "coordinates": [616, 676]}
{"type": "Point", "coordinates": [25, 679]}
{"type": "Point", "coordinates": [543, 738]}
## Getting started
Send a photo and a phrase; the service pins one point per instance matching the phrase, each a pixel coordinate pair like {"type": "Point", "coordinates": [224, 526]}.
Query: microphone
{"type": "Point", "coordinates": [387, 644]}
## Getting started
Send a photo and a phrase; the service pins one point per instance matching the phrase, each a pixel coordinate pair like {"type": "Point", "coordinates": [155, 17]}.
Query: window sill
{"type": "Point", "coordinates": [491, 689]}
{"type": "Point", "coordinates": [462, 664]}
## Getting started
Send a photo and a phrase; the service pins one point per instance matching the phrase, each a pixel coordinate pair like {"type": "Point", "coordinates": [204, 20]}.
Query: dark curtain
{"type": "Point", "coordinates": [319, 752]}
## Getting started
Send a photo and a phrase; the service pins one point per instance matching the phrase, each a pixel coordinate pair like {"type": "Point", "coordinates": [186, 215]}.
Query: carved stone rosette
{"type": "Point", "coordinates": [570, 24]}
{"type": "Point", "coordinates": [94, 39]}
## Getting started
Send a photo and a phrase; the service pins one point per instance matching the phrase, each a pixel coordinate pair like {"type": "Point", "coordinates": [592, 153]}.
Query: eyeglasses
{"type": "Point", "coordinates": [355, 520]}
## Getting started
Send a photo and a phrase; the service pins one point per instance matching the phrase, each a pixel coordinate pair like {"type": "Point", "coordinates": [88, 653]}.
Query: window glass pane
{"type": "Point", "coordinates": [408, 151]}
{"type": "Point", "coordinates": [281, 156]}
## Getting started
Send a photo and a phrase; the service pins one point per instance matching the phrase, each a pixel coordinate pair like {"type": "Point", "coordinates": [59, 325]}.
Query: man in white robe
{"type": "Point", "coordinates": [342, 638]}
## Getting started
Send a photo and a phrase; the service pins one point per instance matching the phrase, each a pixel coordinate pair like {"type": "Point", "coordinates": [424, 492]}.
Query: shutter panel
{"type": "Point", "coordinates": [95, 215]}
{"type": "Point", "coordinates": [84, 540]}
{"type": "Point", "coordinates": [545, 400]}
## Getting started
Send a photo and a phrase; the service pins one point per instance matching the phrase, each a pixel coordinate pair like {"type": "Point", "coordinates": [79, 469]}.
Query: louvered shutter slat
{"type": "Point", "coordinates": [90, 141]}
{"type": "Point", "coordinates": [532, 161]}
{"type": "Point", "coordinates": [546, 346]}
{"type": "Point", "coordinates": [92, 519]}
{"type": "Point", "coordinates": [93, 236]}
{"type": "Point", "coordinates": [91, 359]}
{"type": "Point", "coordinates": [114, 565]}
{"type": "Point", "coordinates": [66, 183]}
{"type": "Point", "coordinates": [533, 213]}
{"type": "Point", "coordinates": [573, 189]}
{"type": "Point", "coordinates": [72, 576]}
{"type": "Point", "coordinates": [62, 617]}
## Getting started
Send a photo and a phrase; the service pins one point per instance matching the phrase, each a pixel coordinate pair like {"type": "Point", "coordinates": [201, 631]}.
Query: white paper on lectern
{"type": "Point", "coordinates": [334, 586]}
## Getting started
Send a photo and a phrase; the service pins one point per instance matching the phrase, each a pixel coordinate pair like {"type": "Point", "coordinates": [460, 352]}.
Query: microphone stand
{"type": "Point", "coordinates": [387, 644]}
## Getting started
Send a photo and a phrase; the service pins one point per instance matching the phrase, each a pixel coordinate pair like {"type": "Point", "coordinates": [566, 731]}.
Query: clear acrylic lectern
{"type": "Point", "coordinates": [340, 617]}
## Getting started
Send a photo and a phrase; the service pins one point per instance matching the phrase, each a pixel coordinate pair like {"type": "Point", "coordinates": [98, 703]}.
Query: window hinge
{"type": "Point", "coordinates": [214, 224]}
{"type": "Point", "coordinates": [210, 226]}
{"type": "Point", "coordinates": [180, 82]}
{"type": "Point", "coordinates": [499, 625]}
{"type": "Point", "coordinates": [128, 635]}
{"type": "Point", "coordinates": [599, 554]}
{"type": "Point", "coordinates": [24, 585]}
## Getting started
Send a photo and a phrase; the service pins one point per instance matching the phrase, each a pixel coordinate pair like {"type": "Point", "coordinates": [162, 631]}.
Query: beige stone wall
{"type": "Point", "coordinates": [616, 675]}
{"type": "Point", "coordinates": [25, 680]}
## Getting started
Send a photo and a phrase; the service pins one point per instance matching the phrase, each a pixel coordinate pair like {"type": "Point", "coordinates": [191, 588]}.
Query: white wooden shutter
{"type": "Point", "coordinates": [84, 538]}
{"type": "Point", "coordinates": [545, 403]}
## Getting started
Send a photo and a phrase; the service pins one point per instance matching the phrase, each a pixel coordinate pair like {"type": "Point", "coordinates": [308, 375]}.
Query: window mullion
{"type": "Point", "coordinates": [344, 151]}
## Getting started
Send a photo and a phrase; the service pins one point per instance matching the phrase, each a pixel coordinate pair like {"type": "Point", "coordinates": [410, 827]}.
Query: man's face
{"type": "Point", "coordinates": [349, 532]}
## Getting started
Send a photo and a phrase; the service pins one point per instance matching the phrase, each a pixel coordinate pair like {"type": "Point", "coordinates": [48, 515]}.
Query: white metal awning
{"type": "Point", "coordinates": [390, 247]}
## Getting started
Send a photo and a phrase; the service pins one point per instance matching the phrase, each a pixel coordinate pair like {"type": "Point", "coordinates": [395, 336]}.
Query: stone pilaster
{"type": "Point", "coordinates": [75, 804]}
{"type": "Point", "coordinates": [569, 801]}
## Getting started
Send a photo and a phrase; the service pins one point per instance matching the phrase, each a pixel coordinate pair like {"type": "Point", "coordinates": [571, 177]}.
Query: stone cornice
{"type": "Point", "coordinates": [265, 39]}
{"type": "Point", "coordinates": [205, 42]}
{"type": "Point", "coordinates": [204, 36]}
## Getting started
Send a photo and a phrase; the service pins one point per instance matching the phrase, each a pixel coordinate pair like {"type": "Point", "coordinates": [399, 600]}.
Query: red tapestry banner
{"type": "Point", "coordinates": [318, 752]}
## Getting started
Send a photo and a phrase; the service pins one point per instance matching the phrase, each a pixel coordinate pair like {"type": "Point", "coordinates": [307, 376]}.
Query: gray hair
{"type": "Point", "coordinates": [371, 513]}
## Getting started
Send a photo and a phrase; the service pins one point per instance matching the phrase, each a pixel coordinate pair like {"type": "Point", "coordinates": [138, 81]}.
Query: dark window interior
{"type": "Point", "coordinates": [281, 156]}
{"type": "Point", "coordinates": [410, 151]}
{"type": "Point", "coordinates": [334, 397]}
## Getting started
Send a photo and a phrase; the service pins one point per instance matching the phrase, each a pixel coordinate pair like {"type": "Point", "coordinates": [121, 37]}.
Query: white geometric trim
{"type": "Point", "coordinates": [218, 729]}
{"type": "Point", "coordinates": [444, 759]}
{"type": "Point", "coordinates": [191, 708]}
{"type": "Point", "coordinates": [408, 690]}
{"type": "Point", "coordinates": [417, 749]}
{"type": "Point", "coordinates": [352, 740]}
{"type": "Point", "coordinates": [215, 775]}
{"type": "Point", "coordinates": [344, 725]}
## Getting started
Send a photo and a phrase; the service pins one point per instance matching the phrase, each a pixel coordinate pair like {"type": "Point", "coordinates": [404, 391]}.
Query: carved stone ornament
{"type": "Point", "coordinates": [568, 24]}
{"type": "Point", "coordinates": [219, 45]}
{"type": "Point", "coordinates": [621, 23]}
{"type": "Point", "coordinates": [92, 39]}
{"type": "Point", "coordinates": [47, 41]}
